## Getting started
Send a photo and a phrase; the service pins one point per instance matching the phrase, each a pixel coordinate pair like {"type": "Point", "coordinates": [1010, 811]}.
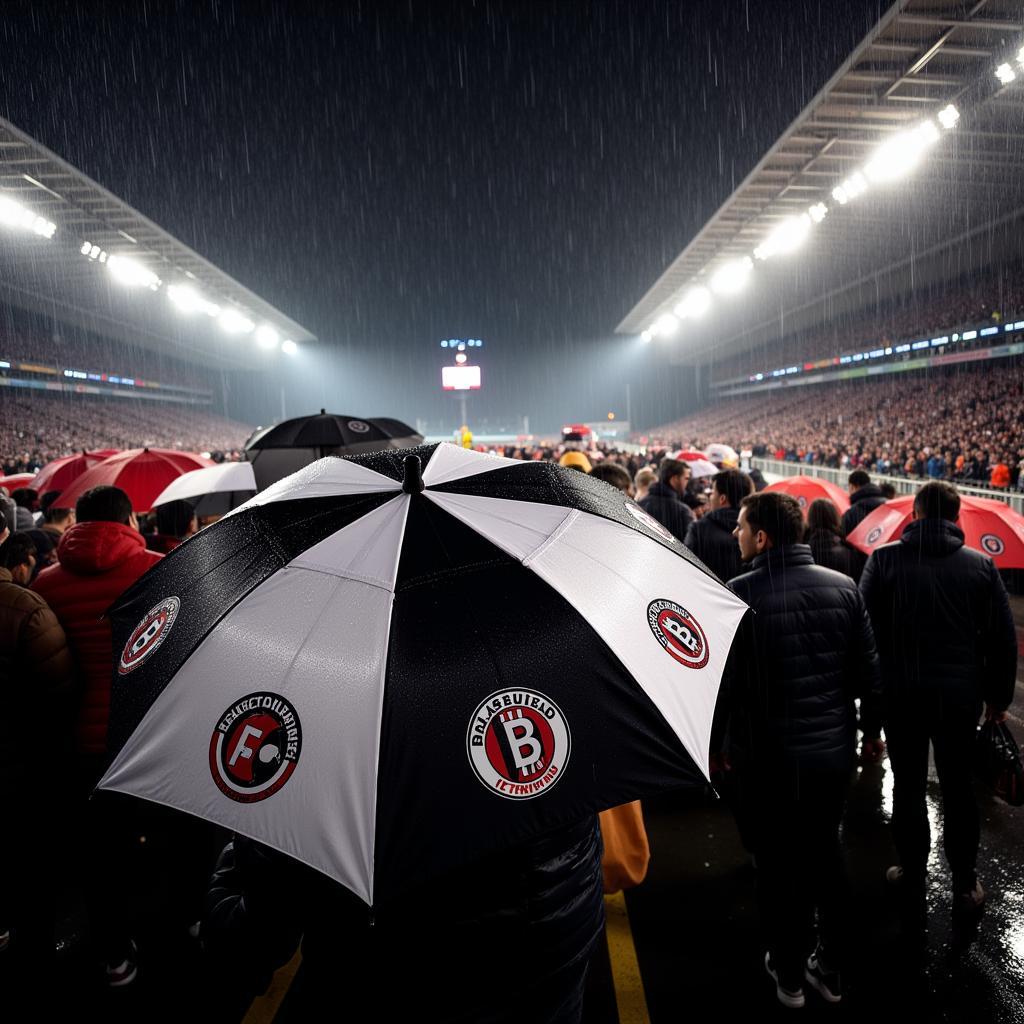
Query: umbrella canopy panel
{"type": "Point", "coordinates": [346, 670]}
{"type": "Point", "coordinates": [807, 489]}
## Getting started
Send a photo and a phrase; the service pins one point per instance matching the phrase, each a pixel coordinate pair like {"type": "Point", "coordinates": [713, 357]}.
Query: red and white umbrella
{"type": "Point", "coordinates": [59, 474]}
{"type": "Point", "coordinates": [809, 488]}
{"type": "Point", "coordinates": [991, 527]}
{"type": "Point", "coordinates": [16, 480]}
{"type": "Point", "coordinates": [142, 473]}
{"type": "Point", "coordinates": [699, 465]}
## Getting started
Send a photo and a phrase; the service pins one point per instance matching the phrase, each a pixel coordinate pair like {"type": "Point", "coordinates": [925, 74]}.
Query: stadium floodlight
{"type": "Point", "coordinates": [948, 117]}
{"type": "Point", "coordinates": [786, 237]}
{"type": "Point", "coordinates": [731, 276]}
{"type": "Point", "coordinates": [132, 273]}
{"type": "Point", "coordinates": [900, 154]}
{"type": "Point", "coordinates": [233, 322]}
{"type": "Point", "coordinates": [818, 212]}
{"type": "Point", "coordinates": [852, 187]}
{"type": "Point", "coordinates": [1020, 56]}
{"type": "Point", "coordinates": [188, 300]}
{"type": "Point", "coordinates": [666, 325]}
{"type": "Point", "coordinates": [694, 304]}
{"type": "Point", "coordinates": [17, 216]}
{"type": "Point", "coordinates": [1005, 74]}
{"type": "Point", "coordinates": [267, 337]}
{"type": "Point", "coordinates": [646, 335]}
{"type": "Point", "coordinates": [288, 347]}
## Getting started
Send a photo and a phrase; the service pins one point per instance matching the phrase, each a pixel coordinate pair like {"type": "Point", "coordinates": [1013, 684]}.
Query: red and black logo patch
{"type": "Point", "coordinates": [518, 743]}
{"type": "Point", "coordinates": [650, 522]}
{"type": "Point", "coordinates": [992, 544]}
{"type": "Point", "coordinates": [148, 635]}
{"type": "Point", "coordinates": [678, 632]}
{"type": "Point", "coordinates": [873, 535]}
{"type": "Point", "coordinates": [255, 747]}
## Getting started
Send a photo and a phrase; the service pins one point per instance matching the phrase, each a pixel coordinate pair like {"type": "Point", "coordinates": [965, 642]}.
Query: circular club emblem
{"type": "Point", "coordinates": [518, 743]}
{"type": "Point", "coordinates": [255, 747]}
{"type": "Point", "coordinates": [872, 537]}
{"type": "Point", "coordinates": [358, 426]}
{"type": "Point", "coordinates": [678, 632]}
{"type": "Point", "coordinates": [802, 500]}
{"type": "Point", "coordinates": [148, 635]}
{"type": "Point", "coordinates": [649, 521]}
{"type": "Point", "coordinates": [992, 544]}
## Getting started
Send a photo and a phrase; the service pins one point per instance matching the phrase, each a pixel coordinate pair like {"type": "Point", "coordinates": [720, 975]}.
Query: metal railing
{"type": "Point", "coordinates": [903, 484]}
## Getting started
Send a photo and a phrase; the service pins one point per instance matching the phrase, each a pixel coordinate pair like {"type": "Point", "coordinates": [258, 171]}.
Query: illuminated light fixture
{"type": "Point", "coordinates": [444, 344]}
{"type": "Point", "coordinates": [188, 300]}
{"type": "Point", "coordinates": [233, 322]}
{"type": "Point", "coordinates": [131, 273]}
{"type": "Point", "coordinates": [267, 337]}
{"type": "Point", "coordinates": [17, 216]}
{"type": "Point", "coordinates": [785, 238]}
{"type": "Point", "coordinates": [461, 357]}
{"type": "Point", "coordinates": [732, 276]}
{"type": "Point", "coordinates": [1005, 74]}
{"type": "Point", "coordinates": [818, 212]}
{"type": "Point", "coordinates": [1020, 56]}
{"type": "Point", "coordinates": [694, 304]}
{"type": "Point", "coordinates": [288, 347]}
{"type": "Point", "coordinates": [646, 335]}
{"type": "Point", "coordinates": [849, 189]}
{"type": "Point", "coordinates": [666, 325]}
{"type": "Point", "coordinates": [900, 154]}
{"type": "Point", "coordinates": [948, 117]}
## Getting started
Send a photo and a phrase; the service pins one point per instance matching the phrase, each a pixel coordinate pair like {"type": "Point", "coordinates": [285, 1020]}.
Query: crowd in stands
{"type": "Point", "coordinates": [960, 424]}
{"type": "Point", "coordinates": [36, 427]}
{"type": "Point", "coordinates": [922, 314]}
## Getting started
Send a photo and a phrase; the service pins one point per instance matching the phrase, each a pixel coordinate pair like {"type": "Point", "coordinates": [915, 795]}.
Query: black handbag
{"type": "Point", "coordinates": [998, 762]}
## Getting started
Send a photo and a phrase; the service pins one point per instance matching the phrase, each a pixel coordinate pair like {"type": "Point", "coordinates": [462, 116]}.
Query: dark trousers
{"type": "Point", "coordinates": [952, 737]}
{"type": "Point", "coordinates": [792, 824]}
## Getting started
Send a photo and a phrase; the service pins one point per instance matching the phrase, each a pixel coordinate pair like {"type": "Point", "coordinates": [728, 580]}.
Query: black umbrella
{"type": "Point", "coordinates": [284, 448]}
{"type": "Point", "coordinates": [386, 673]}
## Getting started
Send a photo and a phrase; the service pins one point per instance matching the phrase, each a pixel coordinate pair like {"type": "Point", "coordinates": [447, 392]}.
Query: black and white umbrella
{"type": "Point", "coordinates": [386, 673]}
{"type": "Point", "coordinates": [284, 448]}
{"type": "Point", "coordinates": [212, 490]}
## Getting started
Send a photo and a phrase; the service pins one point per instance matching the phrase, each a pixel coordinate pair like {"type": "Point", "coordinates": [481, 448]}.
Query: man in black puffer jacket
{"type": "Point", "coordinates": [865, 497]}
{"type": "Point", "coordinates": [713, 538]}
{"type": "Point", "coordinates": [947, 643]}
{"type": "Point", "coordinates": [501, 941]}
{"type": "Point", "coordinates": [664, 500]}
{"type": "Point", "coordinates": [805, 651]}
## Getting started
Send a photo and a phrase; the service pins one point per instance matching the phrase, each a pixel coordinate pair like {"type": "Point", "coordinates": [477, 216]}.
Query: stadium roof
{"type": "Point", "coordinates": [960, 207]}
{"type": "Point", "coordinates": [44, 266]}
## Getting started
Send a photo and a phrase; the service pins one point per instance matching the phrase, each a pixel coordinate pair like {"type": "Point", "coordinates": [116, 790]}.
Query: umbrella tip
{"type": "Point", "coordinates": [412, 481]}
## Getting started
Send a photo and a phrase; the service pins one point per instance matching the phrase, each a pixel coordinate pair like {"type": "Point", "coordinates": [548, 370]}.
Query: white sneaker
{"type": "Point", "coordinates": [793, 998]}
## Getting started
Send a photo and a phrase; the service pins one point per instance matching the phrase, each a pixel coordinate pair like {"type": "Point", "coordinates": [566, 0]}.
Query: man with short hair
{"type": "Point", "coordinates": [26, 503]}
{"type": "Point", "coordinates": [55, 519]}
{"type": "Point", "coordinates": [712, 537]}
{"type": "Point", "coordinates": [865, 497]}
{"type": "Point", "coordinates": [803, 655]}
{"type": "Point", "coordinates": [664, 500]}
{"type": "Point", "coordinates": [614, 474]}
{"type": "Point", "coordinates": [947, 644]}
{"type": "Point", "coordinates": [175, 522]}
{"type": "Point", "coordinates": [642, 482]}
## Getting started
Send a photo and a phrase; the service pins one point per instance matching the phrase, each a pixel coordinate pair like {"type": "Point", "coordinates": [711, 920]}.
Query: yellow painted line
{"type": "Point", "coordinates": [629, 986]}
{"type": "Point", "coordinates": [264, 1008]}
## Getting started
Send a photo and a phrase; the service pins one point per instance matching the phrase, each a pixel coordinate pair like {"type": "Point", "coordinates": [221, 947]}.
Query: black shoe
{"type": "Point", "coordinates": [790, 995]}
{"type": "Point", "coordinates": [119, 975]}
{"type": "Point", "coordinates": [824, 981]}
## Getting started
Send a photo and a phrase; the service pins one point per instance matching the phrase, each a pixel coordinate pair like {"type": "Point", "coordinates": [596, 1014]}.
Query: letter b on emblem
{"type": "Point", "coordinates": [526, 749]}
{"type": "Point", "coordinates": [682, 633]}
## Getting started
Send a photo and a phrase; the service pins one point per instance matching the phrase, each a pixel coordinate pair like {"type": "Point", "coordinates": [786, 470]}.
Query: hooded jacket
{"type": "Point", "coordinates": [668, 508]}
{"type": "Point", "coordinates": [711, 540]}
{"type": "Point", "coordinates": [96, 563]}
{"type": "Point", "coordinates": [805, 653]}
{"type": "Point", "coordinates": [829, 550]}
{"type": "Point", "coordinates": [862, 502]}
{"type": "Point", "coordinates": [942, 621]}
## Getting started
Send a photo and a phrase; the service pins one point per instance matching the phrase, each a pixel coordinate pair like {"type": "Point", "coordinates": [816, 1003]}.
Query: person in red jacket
{"type": "Point", "coordinates": [97, 560]}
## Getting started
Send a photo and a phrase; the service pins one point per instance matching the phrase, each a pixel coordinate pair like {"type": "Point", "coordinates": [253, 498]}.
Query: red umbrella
{"type": "Point", "coordinates": [809, 488]}
{"type": "Point", "coordinates": [689, 454]}
{"type": "Point", "coordinates": [16, 480]}
{"type": "Point", "coordinates": [991, 527]}
{"type": "Point", "coordinates": [142, 473]}
{"type": "Point", "coordinates": [58, 474]}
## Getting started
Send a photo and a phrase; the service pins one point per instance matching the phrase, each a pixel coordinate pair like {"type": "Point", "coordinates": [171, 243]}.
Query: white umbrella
{"type": "Point", "coordinates": [214, 490]}
{"type": "Point", "coordinates": [698, 467]}
{"type": "Point", "coordinates": [723, 453]}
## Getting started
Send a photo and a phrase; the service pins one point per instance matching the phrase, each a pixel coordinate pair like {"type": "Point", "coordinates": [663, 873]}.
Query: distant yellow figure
{"type": "Point", "coordinates": [467, 437]}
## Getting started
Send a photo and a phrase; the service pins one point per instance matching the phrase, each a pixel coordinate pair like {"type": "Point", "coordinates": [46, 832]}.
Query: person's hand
{"type": "Point", "coordinates": [991, 715]}
{"type": "Point", "coordinates": [872, 750]}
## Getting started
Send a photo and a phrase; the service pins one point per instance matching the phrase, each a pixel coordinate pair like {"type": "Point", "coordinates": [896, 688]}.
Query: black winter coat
{"type": "Point", "coordinates": [478, 945]}
{"type": "Point", "coordinates": [711, 540]}
{"type": "Point", "coordinates": [942, 620]}
{"type": "Point", "coordinates": [668, 508]}
{"type": "Point", "coordinates": [865, 500]}
{"type": "Point", "coordinates": [804, 652]}
{"type": "Point", "coordinates": [829, 550]}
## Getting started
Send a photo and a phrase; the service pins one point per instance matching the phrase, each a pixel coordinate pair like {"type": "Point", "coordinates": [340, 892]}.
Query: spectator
{"type": "Point", "coordinates": [613, 474]}
{"type": "Point", "coordinates": [792, 737]}
{"type": "Point", "coordinates": [46, 551]}
{"type": "Point", "coordinates": [827, 545]}
{"type": "Point", "coordinates": [26, 502]}
{"type": "Point", "coordinates": [947, 643]}
{"type": "Point", "coordinates": [175, 522]}
{"type": "Point", "coordinates": [888, 491]}
{"type": "Point", "coordinates": [999, 479]}
{"type": "Point", "coordinates": [575, 460]}
{"type": "Point", "coordinates": [55, 519]}
{"type": "Point", "coordinates": [664, 500]}
{"type": "Point", "coordinates": [642, 482]}
{"type": "Point", "coordinates": [865, 497]}
{"type": "Point", "coordinates": [712, 539]}
{"type": "Point", "coordinates": [4, 530]}
{"type": "Point", "coordinates": [38, 675]}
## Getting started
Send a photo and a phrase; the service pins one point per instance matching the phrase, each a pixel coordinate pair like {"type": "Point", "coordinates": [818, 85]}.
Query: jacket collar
{"type": "Point", "coordinates": [660, 490]}
{"type": "Point", "coordinates": [776, 558]}
{"type": "Point", "coordinates": [5, 575]}
{"type": "Point", "coordinates": [723, 518]}
{"type": "Point", "coordinates": [866, 493]}
{"type": "Point", "coordinates": [933, 536]}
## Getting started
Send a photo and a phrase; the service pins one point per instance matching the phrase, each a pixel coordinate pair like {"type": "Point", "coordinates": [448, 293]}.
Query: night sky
{"type": "Point", "coordinates": [389, 175]}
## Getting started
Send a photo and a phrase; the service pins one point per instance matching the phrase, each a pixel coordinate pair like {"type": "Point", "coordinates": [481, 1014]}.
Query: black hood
{"type": "Point", "coordinates": [933, 536]}
{"type": "Point", "coordinates": [867, 493]}
{"type": "Point", "coordinates": [724, 518]}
